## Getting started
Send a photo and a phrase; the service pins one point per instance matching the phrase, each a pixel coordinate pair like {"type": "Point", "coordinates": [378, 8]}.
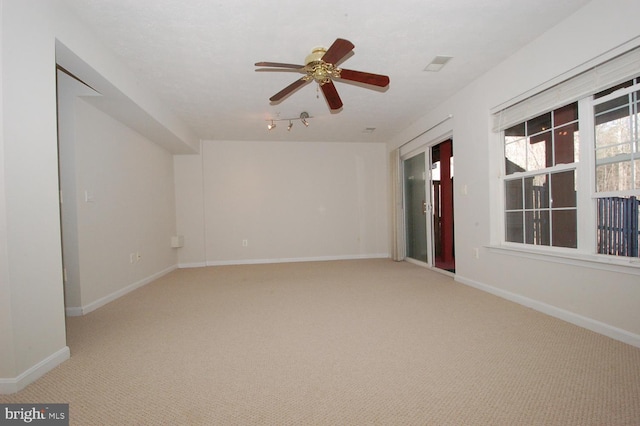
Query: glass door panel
{"type": "Point", "coordinates": [415, 190]}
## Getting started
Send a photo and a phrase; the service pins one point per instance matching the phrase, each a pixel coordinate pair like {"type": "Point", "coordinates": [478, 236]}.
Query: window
{"type": "Point", "coordinates": [544, 185]}
{"type": "Point", "coordinates": [541, 155]}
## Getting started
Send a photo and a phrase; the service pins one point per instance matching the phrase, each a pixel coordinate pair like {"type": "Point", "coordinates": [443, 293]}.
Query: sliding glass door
{"type": "Point", "coordinates": [428, 206]}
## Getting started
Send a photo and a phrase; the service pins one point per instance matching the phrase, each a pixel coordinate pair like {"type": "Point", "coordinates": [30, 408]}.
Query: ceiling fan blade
{"type": "Point", "coordinates": [365, 77]}
{"type": "Point", "coordinates": [289, 89]}
{"type": "Point", "coordinates": [331, 94]}
{"type": "Point", "coordinates": [278, 65]}
{"type": "Point", "coordinates": [338, 50]}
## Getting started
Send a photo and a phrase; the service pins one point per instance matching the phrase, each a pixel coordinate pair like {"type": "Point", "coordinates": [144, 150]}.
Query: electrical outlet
{"type": "Point", "coordinates": [245, 243]}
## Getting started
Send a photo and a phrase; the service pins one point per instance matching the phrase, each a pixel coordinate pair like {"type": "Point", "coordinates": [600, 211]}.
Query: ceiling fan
{"type": "Point", "coordinates": [320, 66]}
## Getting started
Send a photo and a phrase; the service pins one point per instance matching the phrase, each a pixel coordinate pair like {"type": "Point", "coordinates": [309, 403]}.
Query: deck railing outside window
{"type": "Point", "coordinates": [618, 232]}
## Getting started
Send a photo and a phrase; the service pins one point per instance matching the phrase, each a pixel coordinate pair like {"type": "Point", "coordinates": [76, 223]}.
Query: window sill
{"type": "Point", "coordinates": [625, 265]}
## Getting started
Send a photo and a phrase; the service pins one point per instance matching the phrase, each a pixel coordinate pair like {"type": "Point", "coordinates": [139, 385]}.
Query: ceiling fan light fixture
{"type": "Point", "coordinates": [315, 56]}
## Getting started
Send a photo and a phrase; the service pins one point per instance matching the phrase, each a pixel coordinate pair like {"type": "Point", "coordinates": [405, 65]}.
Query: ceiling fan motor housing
{"type": "Point", "coordinates": [319, 70]}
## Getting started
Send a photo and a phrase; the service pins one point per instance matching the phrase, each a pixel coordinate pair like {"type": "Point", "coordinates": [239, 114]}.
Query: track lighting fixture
{"type": "Point", "coordinates": [303, 119]}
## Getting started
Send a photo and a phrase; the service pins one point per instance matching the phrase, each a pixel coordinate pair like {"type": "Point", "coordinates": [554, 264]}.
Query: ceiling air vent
{"type": "Point", "coordinates": [437, 63]}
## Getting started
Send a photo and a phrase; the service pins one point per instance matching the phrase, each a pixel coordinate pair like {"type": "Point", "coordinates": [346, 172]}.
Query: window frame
{"type": "Point", "coordinates": [585, 252]}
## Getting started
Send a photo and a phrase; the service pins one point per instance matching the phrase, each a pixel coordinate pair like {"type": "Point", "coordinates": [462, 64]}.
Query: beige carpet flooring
{"type": "Point", "coordinates": [366, 342]}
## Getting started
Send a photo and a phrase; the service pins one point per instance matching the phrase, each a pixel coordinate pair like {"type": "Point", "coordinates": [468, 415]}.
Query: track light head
{"type": "Point", "coordinates": [303, 116]}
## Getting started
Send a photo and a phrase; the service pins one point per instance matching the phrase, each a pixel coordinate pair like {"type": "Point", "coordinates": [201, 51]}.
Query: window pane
{"type": "Point", "coordinates": [613, 176]}
{"type": "Point", "coordinates": [539, 152]}
{"type": "Point", "coordinates": [614, 108]}
{"type": "Point", "coordinates": [613, 129]}
{"type": "Point", "coordinates": [564, 228]}
{"type": "Point", "coordinates": [536, 192]}
{"type": "Point", "coordinates": [515, 131]}
{"type": "Point", "coordinates": [537, 227]}
{"type": "Point", "coordinates": [614, 145]}
{"type": "Point", "coordinates": [513, 194]}
{"type": "Point", "coordinates": [516, 156]}
{"type": "Point", "coordinates": [539, 124]}
{"type": "Point", "coordinates": [566, 146]}
{"type": "Point", "coordinates": [637, 173]}
{"type": "Point", "coordinates": [563, 189]}
{"type": "Point", "coordinates": [513, 227]}
{"type": "Point", "coordinates": [622, 151]}
{"type": "Point", "coordinates": [613, 89]}
{"type": "Point", "coordinates": [565, 114]}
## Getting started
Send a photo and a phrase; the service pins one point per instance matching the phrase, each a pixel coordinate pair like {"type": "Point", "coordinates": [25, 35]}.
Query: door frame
{"type": "Point", "coordinates": [425, 148]}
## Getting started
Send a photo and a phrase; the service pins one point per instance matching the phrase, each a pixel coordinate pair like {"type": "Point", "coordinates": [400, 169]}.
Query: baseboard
{"type": "Point", "coordinates": [192, 265]}
{"type": "Point", "coordinates": [73, 312]}
{"type": "Point", "coordinates": [16, 384]}
{"type": "Point", "coordinates": [295, 259]}
{"type": "Point", "coordinates": [570, 317]}
{"type": "Point", "coordinates": [83, 310]}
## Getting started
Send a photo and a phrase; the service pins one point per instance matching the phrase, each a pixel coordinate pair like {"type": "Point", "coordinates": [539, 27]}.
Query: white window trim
{"type": "Point", "coordinates": [587, 238]}
{"type": "Point", "coordinates": [625, 265]}
{"type": "Point", "coordinates": [607, 70]}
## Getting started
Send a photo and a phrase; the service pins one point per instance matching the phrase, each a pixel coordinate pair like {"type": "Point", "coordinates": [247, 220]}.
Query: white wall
{"type": "Point", "coordinates": [605, 301]}
{"type": "Point", "coordinates": [7, 358]}
{"type": "Point", "coordinates": [31, 190]}
{"type": "Point", "coordinates": [131, 209]}
{"type": "Point", "coordinates": [32, 318]}
{"type": "Point", "coordinates": [190, 209]}
{"type": "Point", "coordinates": [290, 201]}
{"type": "Point", "coordinates": [68, 91]}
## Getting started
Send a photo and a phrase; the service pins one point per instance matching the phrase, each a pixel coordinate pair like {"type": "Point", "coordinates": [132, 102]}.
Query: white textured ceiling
{"type": "Point", "coordinates": [198, 56]}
